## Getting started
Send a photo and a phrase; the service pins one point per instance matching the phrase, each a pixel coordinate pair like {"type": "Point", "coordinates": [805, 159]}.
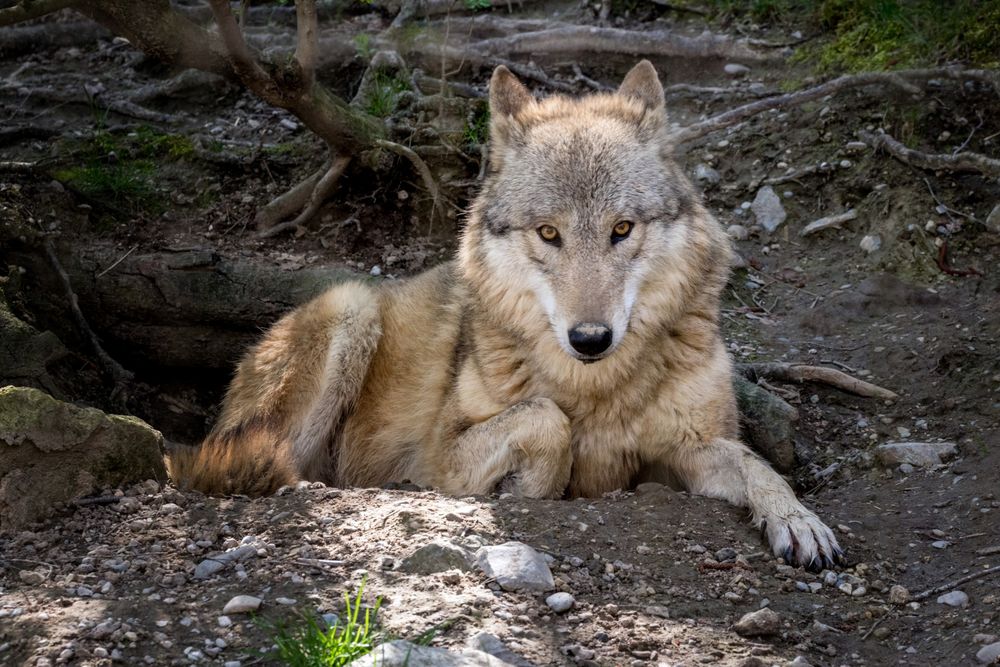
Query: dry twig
{"type": "Point", "coordinates": [828, 221]}
{"type": "Point", "coordinates": [803, 373]}
{"type": "Point", "coordinates": [956, 583]}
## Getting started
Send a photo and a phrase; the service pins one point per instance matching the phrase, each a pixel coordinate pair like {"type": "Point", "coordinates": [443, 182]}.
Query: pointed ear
{"type": "Point", "coordinates": [507, 95]}
{"type": "Point", "coordinates": [642, 84]}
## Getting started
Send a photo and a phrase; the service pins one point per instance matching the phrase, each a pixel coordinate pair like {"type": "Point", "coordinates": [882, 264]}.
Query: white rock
{"type": "Point", "coordinates": [242, 604]}
{"type": "Point", "coordinates": [401, 652]}
{"type": "Point", "coordinates": [215, 564]}
{"type": "Point", "coordinates": [288, 602]}
{"type": "Point", "coordinates": [735, 69]}
{"type": "Point", "coordinates": [705, 174]}
{"type": "Point", "coordinates": [560, 602]}
{"type": "Point", "coordinates": [993, 220]}
{"type": "Point", "coordinates": [515, 566]}
{"type": "Point", "coordinates": [990, 654]}
{"type": "Point", "coordinates": [871, 243]}
{"type": "Point", "coordinates": [767, 208]}
{"type": "Point", "coordinates": [224, 621]}
{"type": "Point", "coordinates": [954, 599]}
{"type": "Point", "coordinates": [738, 232]}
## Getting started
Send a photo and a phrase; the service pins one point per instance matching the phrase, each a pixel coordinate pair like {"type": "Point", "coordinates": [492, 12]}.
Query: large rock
{"type": "Point", "coordinates": [921, 454]}
{"type": "Point", "coordinates": [989, 654]}
{"type": "Point", "coordinates": [761, 623]}
{"type": "Point", "coordinates": [767, 209]}
{"type": "Point", "coordinates": [26, 353]}
{"type": "Point", "coordinates": [401, 653]}
{"type": "Point", "coordinates": [515, 566]}
{"type": "Point", "coordinates": [52, 452]}
{"type": "Point", "coordinates": [437, 556]}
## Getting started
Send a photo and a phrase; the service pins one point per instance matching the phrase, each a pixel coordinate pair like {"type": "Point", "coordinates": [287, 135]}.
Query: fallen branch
{"type": "Point", "coordinates": [803, 373]}
{"type": "Point", "coordinates": [956, 583]}
{"type": "Point", "coordinates": [740, 114]}
{"type": "Point", "coordinates": [594, 40]}
{"type": "Point", "coordinates": [964, 161]}
{"type": "Point", "coordinates": [828, 222]}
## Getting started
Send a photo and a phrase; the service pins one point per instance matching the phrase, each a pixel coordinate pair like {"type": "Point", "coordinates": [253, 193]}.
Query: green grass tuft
{"type": "Point", "coordinates": [477, 127]}
{"type": "Point", "coordinates": [306, 644]}
{"type": "Point", "coordinates": [384, 93]}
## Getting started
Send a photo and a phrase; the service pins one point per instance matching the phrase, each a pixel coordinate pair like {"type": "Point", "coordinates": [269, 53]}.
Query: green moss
{"type": "Point", "coordinates": [126, 186]}
{"type": "Point", "coordinates": [867, 35]}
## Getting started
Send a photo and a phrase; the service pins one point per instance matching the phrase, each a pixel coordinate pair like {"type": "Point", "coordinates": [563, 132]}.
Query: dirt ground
{"type": "Point", "coordinates": [114, 583]}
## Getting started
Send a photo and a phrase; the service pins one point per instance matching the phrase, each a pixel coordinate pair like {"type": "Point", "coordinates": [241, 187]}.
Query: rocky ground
{"type": "Point", "coordinates": [655, 576]}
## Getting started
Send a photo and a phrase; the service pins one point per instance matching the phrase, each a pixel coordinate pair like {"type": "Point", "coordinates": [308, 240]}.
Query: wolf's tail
{"type": "Point", "coordinates": [290, 392]}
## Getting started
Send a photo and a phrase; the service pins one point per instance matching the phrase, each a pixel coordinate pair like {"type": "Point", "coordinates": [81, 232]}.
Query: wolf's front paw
{"type": "Point", "coordinates": [802, 539]}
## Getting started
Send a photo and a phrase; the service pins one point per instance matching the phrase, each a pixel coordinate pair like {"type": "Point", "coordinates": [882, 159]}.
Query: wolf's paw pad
{"type": "Point", "coordinates": [803, 540]}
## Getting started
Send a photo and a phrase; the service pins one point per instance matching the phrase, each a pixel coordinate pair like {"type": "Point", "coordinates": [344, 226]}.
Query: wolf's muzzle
{"type": "Point", "coordinates": [590, 339]}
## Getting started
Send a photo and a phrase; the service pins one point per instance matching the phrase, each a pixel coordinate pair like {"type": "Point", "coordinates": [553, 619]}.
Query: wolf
{"type": "Point", "coordinates": [571, 349]}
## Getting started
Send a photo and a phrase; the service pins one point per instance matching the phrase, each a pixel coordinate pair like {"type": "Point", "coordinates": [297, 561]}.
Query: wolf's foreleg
{"type": "Point", "coordinates": [529, 441]}
{"type": "Point", "coordinates": [729, 470]}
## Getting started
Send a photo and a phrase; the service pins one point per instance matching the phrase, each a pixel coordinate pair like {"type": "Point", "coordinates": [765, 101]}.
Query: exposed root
{"type": "Point", "coordinates": [964, 161]}
{"type": "Point", "coordinates": [803, 373]}
{"type": "Point", "coordinates": [324, 186]}
{"type": "Point", "coordinates": [422, 169]}
{"type": "Point", "coordinates": [119, 375]}
{"type": "Point", "coordinates": [288, 203]}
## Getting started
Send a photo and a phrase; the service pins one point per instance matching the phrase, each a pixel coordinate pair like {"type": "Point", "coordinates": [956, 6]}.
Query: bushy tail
{"type": "Point", "coordinates": [287, 398]}
{"type": "Point", "coordinates": [254, 461]}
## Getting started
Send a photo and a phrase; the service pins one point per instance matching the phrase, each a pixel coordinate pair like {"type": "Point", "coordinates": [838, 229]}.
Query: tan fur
{"type": "Point", "coordinates": [464, 378]}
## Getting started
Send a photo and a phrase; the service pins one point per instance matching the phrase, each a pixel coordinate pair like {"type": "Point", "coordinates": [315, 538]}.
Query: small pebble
{"type": "Point", "coordinates": [560, 602]}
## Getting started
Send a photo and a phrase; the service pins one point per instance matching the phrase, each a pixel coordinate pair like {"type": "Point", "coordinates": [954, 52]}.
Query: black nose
{"type": "Point", "coordinates": [589, 338]}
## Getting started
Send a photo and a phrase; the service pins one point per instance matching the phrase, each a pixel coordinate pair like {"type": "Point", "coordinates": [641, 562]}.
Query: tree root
{"type": "Point", "coordinates": [425, 175]}
{"type": "Point", "coordinates": [114, 370]}
{"type": "Point", "coordinates": [964, 161]}
{"type": "Point", "coordinates": [803, 373]}
{"type": "Point", "coordinates": [288, 203]}
{"type": "Point", "coordinates": [320, 191]}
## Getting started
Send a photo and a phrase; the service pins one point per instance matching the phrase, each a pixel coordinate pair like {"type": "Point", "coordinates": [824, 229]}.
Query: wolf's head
{"type": "Point", "coordinates": [583, 204]}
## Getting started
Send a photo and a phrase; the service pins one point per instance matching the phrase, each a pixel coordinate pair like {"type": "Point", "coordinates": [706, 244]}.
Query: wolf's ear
{"type": "Point", "coordinates": [642, 84]}
{"type": "Point", "coordinates": [507, 95]}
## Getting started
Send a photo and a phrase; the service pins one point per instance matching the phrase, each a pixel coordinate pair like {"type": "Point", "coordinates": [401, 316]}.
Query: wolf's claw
{"type": "Point", "coordinates": [802, 540]}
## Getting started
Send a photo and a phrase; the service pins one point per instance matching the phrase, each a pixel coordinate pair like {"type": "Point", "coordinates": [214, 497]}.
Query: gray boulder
{"type": "Point", "coordinates": [438, 556]}
{"type": "Point", "coordinates": [921, 454]}
{"type": "Point", "coordinates": [52, 452]}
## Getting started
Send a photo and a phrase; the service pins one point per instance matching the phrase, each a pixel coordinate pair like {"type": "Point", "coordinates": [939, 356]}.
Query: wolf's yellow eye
{"type": "Point", "coordinates": [621, 231]}
{"type": "Point", "coordinates": [549, 233]}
